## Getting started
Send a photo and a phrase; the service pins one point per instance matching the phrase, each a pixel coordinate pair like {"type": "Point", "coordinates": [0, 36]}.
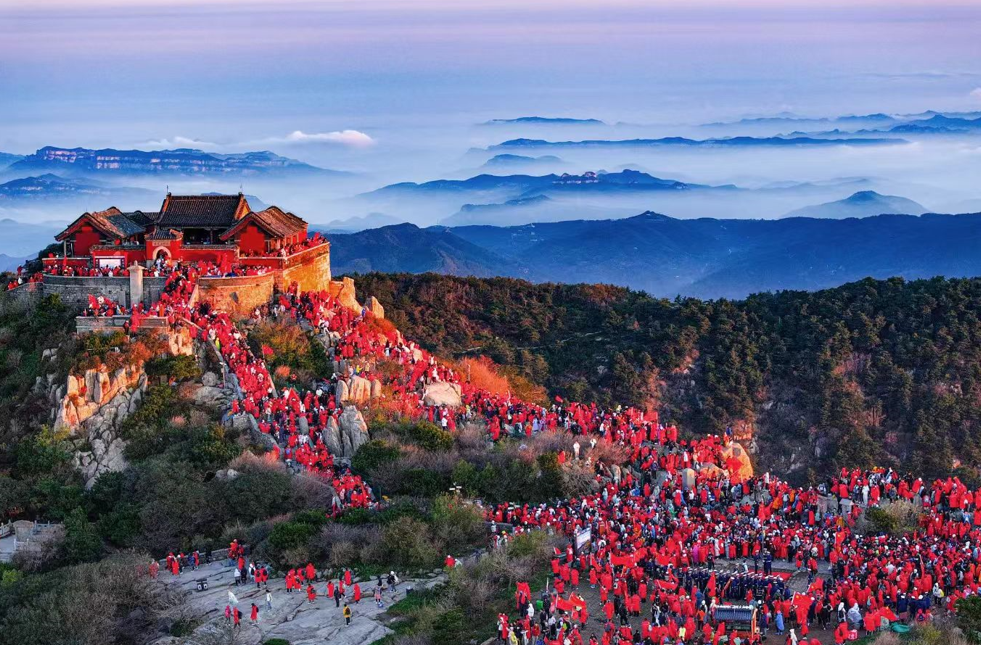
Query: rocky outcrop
{"type": "Point", "coordinates": [357, 390]}
{"type": "Point", "coordinates": [442, 393]}
{"type": "Point", "coordinates": [345, 434]}
{"type": "Point", "coordinates": [87, 393]}
{"type": "Point", "coordinates": [345, 293]}
{"type": "Point", "coordinates": [375, 307]}
{"type": "Point", "coordinates": [100, 446]}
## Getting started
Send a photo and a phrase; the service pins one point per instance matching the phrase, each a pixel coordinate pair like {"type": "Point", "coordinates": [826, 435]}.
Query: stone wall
{"type": "Point", "coordinates": [309, 269]}
{"type": "Point", "coordinates": [88, 324]}
{"type": "Point", "coordinates": [238, 296]}
{"type": "Point", "coordinates": [76, 291]}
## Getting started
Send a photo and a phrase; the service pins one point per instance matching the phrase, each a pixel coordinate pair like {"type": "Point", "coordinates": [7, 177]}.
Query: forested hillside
{"type": "Point", "coordinates": [873, 372]}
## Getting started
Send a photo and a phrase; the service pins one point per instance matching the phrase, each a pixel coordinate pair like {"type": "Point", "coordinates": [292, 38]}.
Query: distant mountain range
{"type": "Point", "coordinates": [543, 120]}
{"type": "Point", "coordinates": [864, 203]}
{"type": "Point", "coordinates": [51, 187]}
{"type": "Point", "coordinates": [730, 142]}
{"type": "Point", "coordinates": [508, 162]}
{"type": "Point", "coordinates": [522, 186]}
{"type": "Point", "coordinates": [707, 258]}
{"type": "Point", "coordinates": [180, 161]}
{"type": "Point", "coordinates": [408, 248]}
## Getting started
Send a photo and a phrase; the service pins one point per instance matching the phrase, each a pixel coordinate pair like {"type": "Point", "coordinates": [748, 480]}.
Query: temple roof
{"type": "Point", "coordinates": [273, 220]}
{"type": "Point", "coordinates": [111, 222]}
{"type": "Point", "coordinates": [164, 234]}
{"type": "Point", "coordinates": [202, 211]}
{"type": "Point", "coordinates": [226, 213]}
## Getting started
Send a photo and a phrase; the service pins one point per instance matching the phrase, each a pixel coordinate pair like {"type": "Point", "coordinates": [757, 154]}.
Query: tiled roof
{"type": "Point", "coordinates": [111, 222]}
{"type": "Point", "coordinates": [204, 211]}
{"type": "Point", "coordinates": [164, 234]}
{"type": "Point", "coordinates": [273, 220]}
{"type": "Point", "coordinates": [125, 224]}
{"type": "Point", "coordinates": [143, 218]}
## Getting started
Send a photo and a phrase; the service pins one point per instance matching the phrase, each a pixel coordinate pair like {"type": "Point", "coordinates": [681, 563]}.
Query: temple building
{"type": "Point", "coordinates": [221, 229]}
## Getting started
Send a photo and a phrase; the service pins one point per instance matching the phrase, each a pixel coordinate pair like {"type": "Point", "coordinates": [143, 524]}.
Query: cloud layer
{"type": "Point", "coordinates": [345, 138]}
{"type": "Point", "coordinates": [352, 138]}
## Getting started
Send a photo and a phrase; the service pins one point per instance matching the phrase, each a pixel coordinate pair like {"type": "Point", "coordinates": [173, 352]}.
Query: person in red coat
{"type": "Point", "coordinates": [311, 593]}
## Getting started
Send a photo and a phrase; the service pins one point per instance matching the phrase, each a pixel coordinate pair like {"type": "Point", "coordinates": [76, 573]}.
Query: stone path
{"type": "Point", "coordinates": [292, 617]}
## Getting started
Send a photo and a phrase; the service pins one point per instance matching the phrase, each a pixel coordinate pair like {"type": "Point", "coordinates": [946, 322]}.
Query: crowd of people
{"type": "Point", "coordinates": [22, 277]}
{"type": "Point", "coordinates": [677, 531]}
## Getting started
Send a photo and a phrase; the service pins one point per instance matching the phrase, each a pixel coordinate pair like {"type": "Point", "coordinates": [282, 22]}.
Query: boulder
{"type": "Point", "coordinates": [376, 389]}
{"type": "Point", "coordinates": [375, 307]}
{"type": "Point", "coordinates": [443, 393]}
{"type": "Point", "coordinates": [358, 390]}
{"type": "Point", "coordinates": [341, 392]}
{"type": "Point", "coordinates": [211, 379]}
{"type": "Point", "coordinates": [354, 430]}
{"type": "Point", "coordinates": [332, 437]}
{"type": "Point", "coordinates": [210, 396]}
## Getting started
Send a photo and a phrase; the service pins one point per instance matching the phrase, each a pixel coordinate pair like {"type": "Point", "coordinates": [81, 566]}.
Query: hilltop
{"type": "Point", "coordinates": [865, 203]}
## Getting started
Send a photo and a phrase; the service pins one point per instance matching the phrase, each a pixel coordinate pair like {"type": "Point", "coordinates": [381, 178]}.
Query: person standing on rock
{"type": "Point", "coordinates": [311, 593]}
{"type": "Point", "coordinates": [268, 599]}
{"type": "Point", "coordinates": [348, 614]}
{"type": "Point", "coordinates": [254, 615]}
{"type": "Point", "coordinates": [357, 593]}
{"type": "Point", "coordinates": [338, 594]}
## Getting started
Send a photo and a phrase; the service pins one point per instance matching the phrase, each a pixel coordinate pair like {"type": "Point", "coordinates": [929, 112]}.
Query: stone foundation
{"type": "Point", "coordinates": [238, 296]}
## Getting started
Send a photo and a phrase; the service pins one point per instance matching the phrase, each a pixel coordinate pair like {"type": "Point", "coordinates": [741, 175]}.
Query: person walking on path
{"type": "Point", "coordinates": [348, 614]}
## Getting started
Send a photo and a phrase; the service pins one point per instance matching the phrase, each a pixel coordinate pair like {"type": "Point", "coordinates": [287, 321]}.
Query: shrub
{"type": "Point", "coordinates": [82, 542]}
{"type": "Point", "coordinates": [893, 518]}
{"type": "Point", "coordinates": [373, 454]}
{"type": "Point", "coordinates": [969, 617]}
{"type": "Point", "coordinates": [449, 628]}
{"type": "Point", "coordinates": [456, 524]}
{"type": "Point", "coordinates": [174, 368]}
{"type": "Point", "coordinates": [422, 482]}
{"type": "Point", "coordinates": [430, 437]}
{"type": "Point", "coordinates": [407, 542]}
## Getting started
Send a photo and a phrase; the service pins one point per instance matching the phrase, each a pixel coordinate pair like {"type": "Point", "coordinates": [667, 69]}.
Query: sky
{"type": "Point", "coordinates": [392, 90]}
{"type": "Point", "coordinates": [103, 71]}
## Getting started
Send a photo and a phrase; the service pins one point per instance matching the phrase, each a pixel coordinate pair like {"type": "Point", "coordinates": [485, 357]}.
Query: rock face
{"type": "Point", "coordinates": [87, 393]}
{"type": "Point", "coordinates": [346, 434]}
{"type": "Point", "coordinates": [375, 307]}
{"type": "Point", "coordinates": [441, 393]}
{"type": "Point", "coordinates": [100, 434]}
{"type": "Point", "coordinates": [358, 391]}
{"type": "Point", "coordinates": [91, 408]}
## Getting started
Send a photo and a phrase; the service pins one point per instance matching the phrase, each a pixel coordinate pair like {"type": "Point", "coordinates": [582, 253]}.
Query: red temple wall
{"type": "Point", "coordinates": [85, 238]}
{"type": "Point", "coordinates": [252, 240]}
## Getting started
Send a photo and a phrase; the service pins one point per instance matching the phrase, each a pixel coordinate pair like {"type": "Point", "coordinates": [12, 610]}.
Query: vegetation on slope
{"type": "Point", "coordinates": [873, 372]}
